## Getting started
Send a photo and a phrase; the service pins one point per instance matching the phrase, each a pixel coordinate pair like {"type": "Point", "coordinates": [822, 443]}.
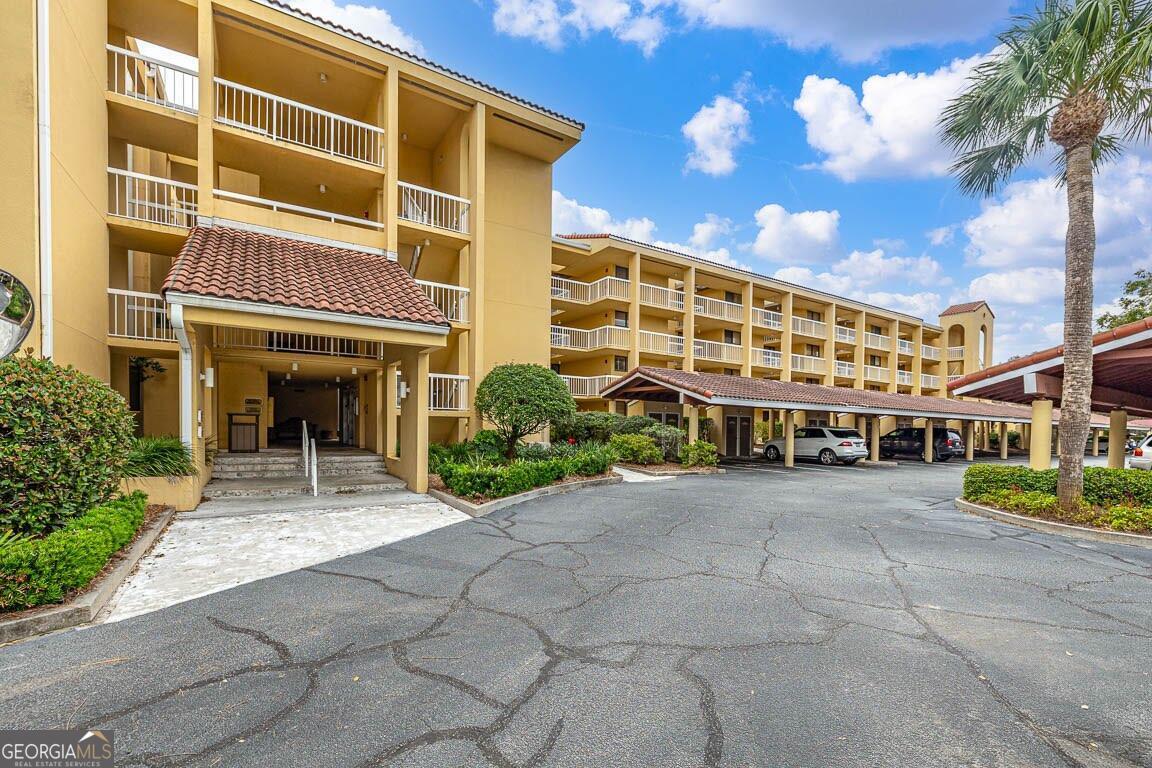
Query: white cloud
{"type": "Point", "coordinates": [365, 19]}
{"type": "Point", "coordinates": [890, 130]}
{"type": "Point", "coordinates": [704, 233]}
{"type": "Point", "coordinates": [547, 21]}
{"type": "Point", "coordinates": [570, 217]}
{"type": "Point", "coordinates": [805, 236]}
{"type": "Point", "coordinates": [716, 131]}
{"type": "Point", "coordinates": [923, 304]}
{"type": "Point", "coordinates": [1030, 285]}
{"type": "Point", "coordinates": [941, 235]}
{"type": "Point", "coordinates": [869, 268]}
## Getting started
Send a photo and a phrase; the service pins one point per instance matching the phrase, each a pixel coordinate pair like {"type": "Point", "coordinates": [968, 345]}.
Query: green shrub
{"type": "Point", "coordinates": [591, 459]}
{"type": "Point", "coordinates": [636, 449]}
{"type": "Point", "coordinates": [44, 570]}
{"type": "Point", "coordinates": [520, 399]}
{"type": "Point", "coordinates": [1103, 486]}
{"type": "Point", "coordinates": [584, 426]}
{"type": "Point", "coordinates": [635, 425]}
{"type": "Point", "coordinates": [1132, 519]}
{"type": "Point", "coordinates": [763, 431]}
{"type": "Point", "coordinates": [481, 480]}
{"type": "Point", "coordinates": [699, 454]}
{"type": "Point", "coordinates": [668, 440]}
{"type": "Point", "coordinates": [706, 425]}
{"type": "Point", "coordinates": [159, 457]}
{"type": "Point", "coordinates": [1013, 439]}
{"type": "Point", "coordinates": [64, 439]}
{"type": "Point", "coordinates": [489, 444]}
{"type": "Point", "coordinates": [533, 452]}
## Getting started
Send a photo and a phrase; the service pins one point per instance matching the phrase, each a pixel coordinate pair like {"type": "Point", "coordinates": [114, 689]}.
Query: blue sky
{"type": "Point", "coordinates": [793, 138]}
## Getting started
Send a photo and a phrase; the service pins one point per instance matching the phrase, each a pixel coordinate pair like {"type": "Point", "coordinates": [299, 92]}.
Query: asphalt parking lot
{"type": "Point", "coordinates": [812, 617]}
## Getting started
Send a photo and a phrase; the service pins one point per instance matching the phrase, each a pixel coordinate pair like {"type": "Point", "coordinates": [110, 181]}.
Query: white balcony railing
{"type": "Point", "coordinates": [136, 315]}
{"type": "Point", "coordinates": [567, 289]}
{"type": "Point", "coordinates": [928, 381]}
{"type": "Point", "coordinates": [447, 392]}
{"type": "Point", "coordinates": [877, 341]}
{"type": "Point", "coordinates": [719, 309]}
{"type": "Point", "coordinates": [845, 334]}
{"type": "Point", "coordinates": [904, 377]}
{"type": "Point", "coordinates": [767, 358]}
{"type": "Point", "coordinates": [877, 373]}
{"type": "Point", "coordinates": [434, 209]}
{"type": "Point", "coordinates": [151, 198]}
{"type": "Point", "coordinates": [226, 337]}
{"type": "Point", "coordinates": [953, 376]}
{"type": "Point", "coordinates": [142, 77]}
{"type": "Point", "coordinates": [655, 296]}
{"type": "Point", "coordinates": [587, 386]}
{"type": "Point", "coordinates": [845, 370]}
{"type": "Point", "coordinates": [808, 363]}
{"type": "Point", "coordinates": [767, 318]}
{"type": "Point", "coordinates": [281, 119]}
{"type": "Point", "coordinates": [301, 210]}
{"type": "Point", "coordinates": [929, 353]}
{"type": "Point", "coordinates": [955, 353]}
{"type": "Point", "coordinates": [905, 347]}
{"type": "Point", "coordinates": [451, 300]}
{"type": "Point", "coordinates": [661, 343]}
{"type": "Point", "coordinates": [717, 350]}
{"type": "Point", "coordinates": [808, 327]}
{"type": "Point", "coordinates": [594, 338]}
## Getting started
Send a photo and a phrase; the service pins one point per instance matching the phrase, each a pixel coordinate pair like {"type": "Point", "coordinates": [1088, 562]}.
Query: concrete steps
{"type": "Point", "coordinates": [273, 487]}
{"type": "Point", "coordinates": [278, 473]}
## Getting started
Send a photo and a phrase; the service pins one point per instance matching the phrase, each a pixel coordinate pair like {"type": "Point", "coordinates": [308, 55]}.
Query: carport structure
{"type": "Point", "coordinates": [741, 394]}
{"type": "Point", "coordinates": [1121, 384]}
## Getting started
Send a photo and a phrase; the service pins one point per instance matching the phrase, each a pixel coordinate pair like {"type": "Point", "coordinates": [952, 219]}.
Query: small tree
{"type": "Point", "coordinates": [1135, 304]}
{"type": "Point", "coordinates": [522, 399]}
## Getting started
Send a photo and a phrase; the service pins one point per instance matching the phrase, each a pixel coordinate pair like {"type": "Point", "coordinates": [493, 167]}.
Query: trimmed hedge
{"type": "Point", "coordinates": [1103, 486]}
{"type": "Point", "coordinates": [699, 454]}
{"type": "Point", "coordinates": [480, 479]}
{"type": "Point", "coordinates": [669, 439]}
{"type": "Point", "coordinates": [636, 449]}
{"type": "Point", "coordinates": [44, 570]}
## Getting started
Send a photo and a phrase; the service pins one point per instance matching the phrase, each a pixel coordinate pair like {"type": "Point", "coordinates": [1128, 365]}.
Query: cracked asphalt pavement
{"type": "Point", "coordinates": [848, 617]}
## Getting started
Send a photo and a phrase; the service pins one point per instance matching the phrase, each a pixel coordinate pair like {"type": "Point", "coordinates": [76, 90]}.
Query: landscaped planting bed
{"type": "Point", "coordinates": [477, 471]}
{"type": "Point", "coordinates": [1114, 499]}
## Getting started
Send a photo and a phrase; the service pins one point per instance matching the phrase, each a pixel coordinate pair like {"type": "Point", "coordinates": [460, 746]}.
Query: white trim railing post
{"type": "Point", "coordinates": [304, 447]}
{"type": "Point", "coordinates": [315, 471]}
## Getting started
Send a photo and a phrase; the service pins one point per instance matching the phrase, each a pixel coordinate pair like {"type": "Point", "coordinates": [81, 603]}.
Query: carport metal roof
{"type": "Point", "coordinates": [1121, 373]}
{"type": "Point", "coordinates": [690, 388]}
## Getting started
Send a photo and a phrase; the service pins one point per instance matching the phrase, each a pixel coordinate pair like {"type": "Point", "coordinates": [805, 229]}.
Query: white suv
{"type": "Point", "coordinates": [1142, 456]}
{"type": "Point", "coordinates": [828, 444]}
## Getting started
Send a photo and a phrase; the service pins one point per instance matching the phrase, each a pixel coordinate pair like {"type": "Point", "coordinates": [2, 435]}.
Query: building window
{"type": "Point", "coordinates": [874, 361]}
{"type": "Point", "coordinates": [622, 272]}
{"type": "Point", "coordinates": [621, 319]}
{"type": "Point", "coordinates": [811, 380]}
{"type": "Point", "coordinates": [671, 419]}
{"type": "Point", "coordinates": [812, 350]}
{"type": "Point", "coordinates": [814, 315]}
{"type": "Point", "coordinates": [620, 364]}
{"type": "Point", "coordinates": [730, 372]}
{"type": "Point", "coordinates": [731, 337]}
{"type": "Point", "coordinates": [556, 367]}
{"type": "Point", "coordinates": [731, 297]}
{"type": "Point", "coordinates": [876, 330]}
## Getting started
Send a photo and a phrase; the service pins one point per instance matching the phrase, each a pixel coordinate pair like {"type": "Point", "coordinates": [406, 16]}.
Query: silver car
{"type": "Point", "coordinates": [1142, 455]}
{"type": "Point", "coordinates": [827, 444]}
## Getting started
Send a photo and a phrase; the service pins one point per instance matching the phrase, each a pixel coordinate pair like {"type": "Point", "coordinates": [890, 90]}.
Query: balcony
{"type": "Point", "coordinates": [845, 334]}
{"type": "Point", "coordinates": [594, 338]}
{"type": "Point", "coordinates": [153, 81]}
{"type": "Point", "coordinates": [928, 381]}
{"type": "Point", "coordinates": [665, 298]}
{"type": "Point", "coordinates": [587, 386]}
{"type": "Point", "coordinates": [876, 373]}
{"type": "Point", "coordinates": [447, 392]}
{"type": "Point", "coordinates": [314, 213]}
{"type": "Point", "coordinates": [431, 208]}
{"type": "Point", "coordinates": [295, 343]}
{"type": "Point", "coordinates": [904, 378]}
{"type": "Point", "coordinates": [905, 347]}
{"type": "Point", "coordinates": [953, 376]}
{"type": "Point", "coordinates": [929, 353]}
{"type": "Point", "coordinates": [283, 120]}
{"type": "Point", "coordinates": [567, 289]}
{"type": "Point", "coordinates": [877, 341]}
{"type": "Point", "coordinates": [845, 370]}
{"type": "Point", "coordinates": [151, 199]}
{"type": "Point", "coordinates": [806, 327]}
{"type": "Point", "coordinates": [451, 300]}
{"type": "Point", "coordinates": [955, 353]}
{"type": "Point", "coordinates": [719, 309]}
{"type": "Point", "coordinates": [139, 316]}
{"type": "Point", "coordinates": [767, 358]}
{"type": "Point", "coordinates": [717, 350]}
{"type": "Point", "coordinates": [808, 363]}
{"type": "Point", "coordinates": [766, 318]}
{"type": "Point", "coordinates": [655, 343]}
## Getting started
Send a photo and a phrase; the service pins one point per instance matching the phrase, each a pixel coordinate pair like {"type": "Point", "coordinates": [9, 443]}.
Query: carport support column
{"type": "Point", "coordinates": [1040, 435]}
{"type": "Point", "coordinates": [929, 440]}
{"type": "Point", "coordinates": [693, 414]}
{"type": "Point", "coordinates": [789, 438]}
{"type": "Point", "coordinates": [1095, 442]}
{"type": "Point", "coordinates": [1003, 440]}
{"type": "Point", "coordinates": [413, 462]}
{"type": "Point", "coordinates": [874, 448]}
{"type": "Point", "coordinates": [1117, 435]}
{"type": "Point", "coordinates": [970, 439]}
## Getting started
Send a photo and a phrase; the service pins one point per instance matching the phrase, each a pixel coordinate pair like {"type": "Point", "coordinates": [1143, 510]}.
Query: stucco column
{"type": "Point", "coordinates": [970, 438]}
{"type": "Point", "coordinates": [1040, 435]}
{"type": "Point", "coordinates": [1117, 435]}
{"type": "Point", "coordinates": [689, 319]}
{"type": "Point", "coordinates": [1003, 440]}
{"type": "Point", "coordinates": [786, 306]}
{"type": "Point", "coordinates": [929, 440]}
{"type": "Point", "coordinates": [413, 464]}
{"type": "Point", "coordinates": [746, 329]}
{"type": "Point", "coordinates": [862, 425]}
{"type": "Point", "coordinates": [1095, 442]}
{"type": "Point", "coordinates": [388, 428]}
{"type": "Point", "coordinates": [789, 439]}
{"type": "Point", "coordinates": [634, 309]}
{"type": "Point", "coordinates": [874, 446]}
{"type": "Point", "coordinates": [692, 414]}
{"type": "Point", "coordinates": [987, 436]}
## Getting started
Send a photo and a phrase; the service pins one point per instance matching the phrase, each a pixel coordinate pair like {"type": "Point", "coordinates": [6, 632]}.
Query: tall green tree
{"type": "Point", "coordinates": [1135, 304]}
{"type": "Point", "coordinates": [1074, 74]}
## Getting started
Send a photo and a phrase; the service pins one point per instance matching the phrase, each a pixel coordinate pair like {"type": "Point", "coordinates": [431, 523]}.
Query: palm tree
{"type": "Point", "coordinates": [1078, 74]}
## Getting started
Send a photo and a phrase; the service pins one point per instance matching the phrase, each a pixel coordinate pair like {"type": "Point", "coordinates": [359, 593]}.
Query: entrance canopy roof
{"type": "Point", "coordinates": [1121, 373]}
{"type": "Point", "coordinates": [673, 386]}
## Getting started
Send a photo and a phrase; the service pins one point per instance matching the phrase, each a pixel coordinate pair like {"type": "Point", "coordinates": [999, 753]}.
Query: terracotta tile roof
{"type": "Point", "coordinates": [252, 266]}
{"type": "Point", "coordinates": [969, 306]}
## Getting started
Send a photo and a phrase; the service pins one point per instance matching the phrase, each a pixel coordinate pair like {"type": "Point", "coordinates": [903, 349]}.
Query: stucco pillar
{"type": "Point", "coordinates": [929, 440]}
{"type": "Point", "coordinates": [1095, 442]}
{"type": "Point", "coordinates": [746, 329]}
{"type": "Point", "coordinates": [874, 441]}
{"type": "Point", "coordinates": [786, 308]}
{"type": "Point", "coordinates": [634, 309]}
{"type": "Point", "coordinates": [413, 464]}
{"type": "Point", "coordinates": [862, 425]}
{"type": "Point", "coordinates": [970, 439]}
{"type": "Point", "coordinates": [1003, 440]}
{"type": "Point", "coordinates": [388, 428]}
{"type": "Point", "coordinates": [789, 439]}
{"type": "Point", "coordinates": [1117, 435]}
{"type": "Point", "coordinates": [689, 331]}
{"type": "Point", "coordinates": [692, 414]}
{"type": "Point", "coordinates": [1040, 435]}
{"type": "Point", "coordinates": [987, 436]}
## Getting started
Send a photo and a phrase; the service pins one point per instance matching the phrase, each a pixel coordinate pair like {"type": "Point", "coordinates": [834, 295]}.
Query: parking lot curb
{"type": "Point", "coordinates": [1061, 529]}
{"type": "Point", "coordinates": [479, 510]}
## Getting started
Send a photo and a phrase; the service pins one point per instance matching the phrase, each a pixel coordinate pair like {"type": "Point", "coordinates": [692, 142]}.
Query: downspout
{"type": "Point", "coordinates": [44, 171]}
{"type": "Point", "coordinates": [176, 313]}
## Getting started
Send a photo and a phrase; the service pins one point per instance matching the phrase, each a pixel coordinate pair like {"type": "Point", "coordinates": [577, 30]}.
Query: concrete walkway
{"type": "Point", "coordinates": [228, 542]}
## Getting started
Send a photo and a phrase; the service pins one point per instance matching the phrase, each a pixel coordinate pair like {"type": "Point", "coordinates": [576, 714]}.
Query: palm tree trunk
{"type": "Point", "coordinates": [1079, 255]}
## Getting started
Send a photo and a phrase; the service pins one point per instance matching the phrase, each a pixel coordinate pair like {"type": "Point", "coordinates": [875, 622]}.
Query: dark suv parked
{"type": "Point", "coordinates": [909, 441]}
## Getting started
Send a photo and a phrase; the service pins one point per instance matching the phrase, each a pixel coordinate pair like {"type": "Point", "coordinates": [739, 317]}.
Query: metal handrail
{"type": "Point", "coordinates": [304, 447]}
{"type": "Point", "coordinates": [315, 471]}
{"type": "Point", "coordinates": [277, 205]}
